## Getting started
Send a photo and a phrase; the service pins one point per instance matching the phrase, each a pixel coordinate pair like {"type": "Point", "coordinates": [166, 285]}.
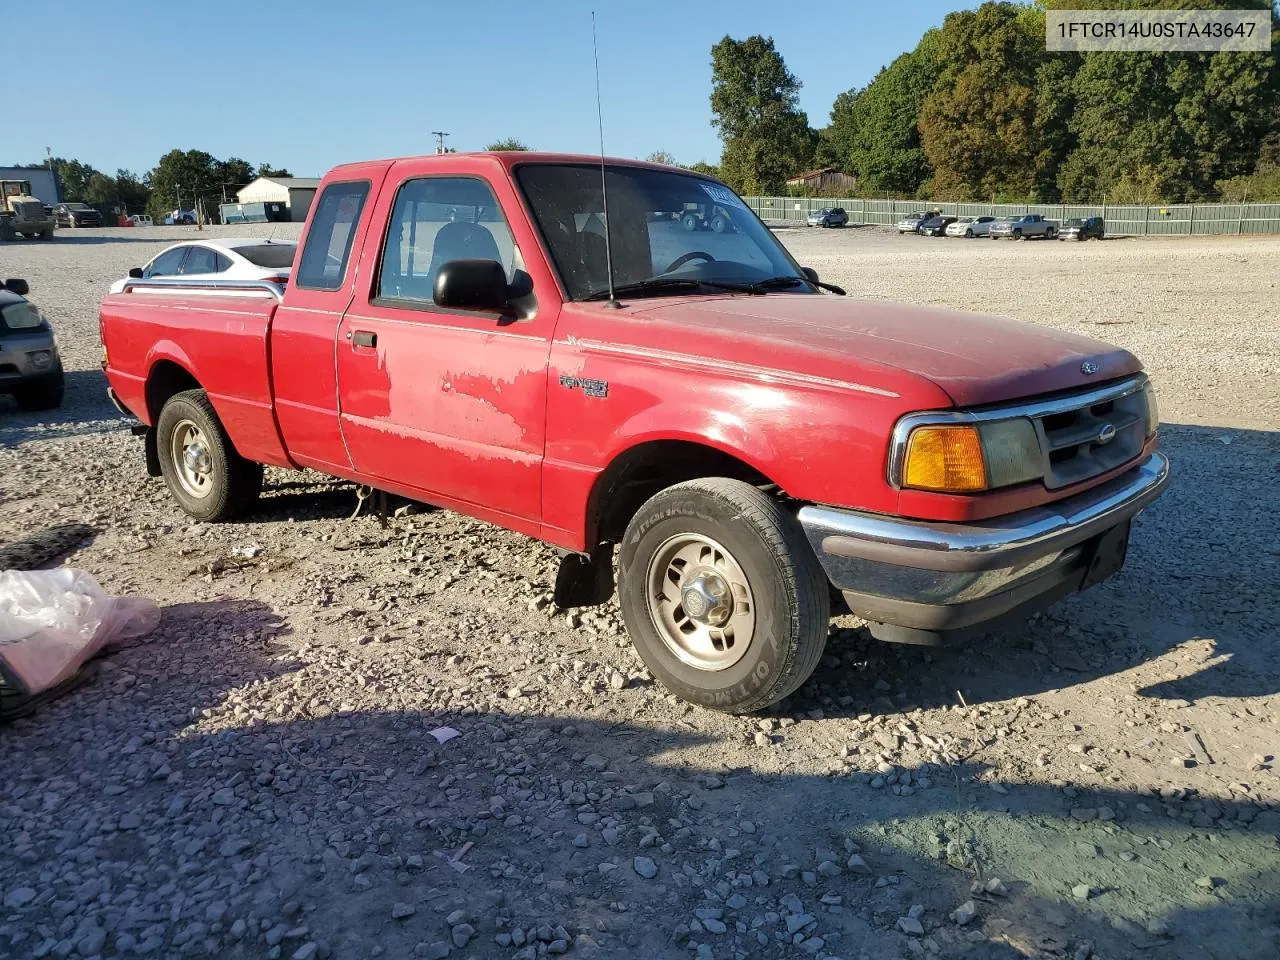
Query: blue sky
{"type": "Point", "coordinates": [309, 85]}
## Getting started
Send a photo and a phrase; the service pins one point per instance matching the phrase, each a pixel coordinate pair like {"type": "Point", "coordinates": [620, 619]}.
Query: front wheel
{"type": "Point", "coordinates": [203, 471]}
{"type": "Point", "coordinates": [722, 595]}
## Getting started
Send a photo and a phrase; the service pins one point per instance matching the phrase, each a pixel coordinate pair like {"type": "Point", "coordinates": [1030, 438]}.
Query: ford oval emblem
{"type": "Point", "coordinates": [1106, 434]}
{"type": "Point", "coordinates": [1088, 368]}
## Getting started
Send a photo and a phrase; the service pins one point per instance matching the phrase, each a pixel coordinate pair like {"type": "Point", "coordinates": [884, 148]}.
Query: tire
{"type": "Point", "coordinates": [968, 234]}
{"type": "Point", "coordinates": [689, 222]}
{"type": "Point", "coordinates": [202, 470]}
{"type": "Point", "coordinates": [1017, 234]}
{"type": "Point", "coordinates": [719, 225]}
{"type": "Point", "coordinates": [764, 558]}
{"type": "Point", "coordinates": [47, 234]}
{"type": "Point", "coordinates": [1050, 234]}
{"type": "Point", "coordinates": [43, 394]}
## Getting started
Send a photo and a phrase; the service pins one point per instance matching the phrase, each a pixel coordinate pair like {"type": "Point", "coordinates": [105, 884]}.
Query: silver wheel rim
{"type": "Point", "coordinates": [192, 462]}
{"type": "Point", "coordinates": [700, 602]}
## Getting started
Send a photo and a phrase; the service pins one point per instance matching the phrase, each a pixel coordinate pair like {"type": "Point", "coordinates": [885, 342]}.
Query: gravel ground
{"type": "Point", "coordinates": [259, 777]}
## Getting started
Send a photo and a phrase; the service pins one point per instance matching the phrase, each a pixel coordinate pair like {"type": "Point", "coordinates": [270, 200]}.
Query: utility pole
{"type": "Point", "coordinates": [439, 135]}
{"type": "Point", "coordinates": [48, 153]}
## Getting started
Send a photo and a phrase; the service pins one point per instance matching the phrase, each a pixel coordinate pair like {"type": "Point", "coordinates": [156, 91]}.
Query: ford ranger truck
{"type": "Point", "coordinates": [474, 331]}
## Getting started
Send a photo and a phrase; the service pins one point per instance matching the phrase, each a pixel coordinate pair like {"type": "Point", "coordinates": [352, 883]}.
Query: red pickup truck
{"type": "Point", "coordinates": [459, 330]}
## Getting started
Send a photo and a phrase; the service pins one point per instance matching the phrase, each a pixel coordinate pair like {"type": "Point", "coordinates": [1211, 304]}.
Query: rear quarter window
{"type": "Point", "coordinates": [273, 256]}
{"type": "Point", "coordinates": [329, 238]}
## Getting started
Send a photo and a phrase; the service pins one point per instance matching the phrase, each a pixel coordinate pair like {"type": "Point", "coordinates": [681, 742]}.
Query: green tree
{"type": "Point", "coordinates": [661, 156]}
{"type": "Point", "coordinates": [709, 169]}
{"type": "Point", "coordinates": [978, 124]}
{"type": "Point", "coordinates": [133, 193]}
{"type": "Point", "coordinates": [508, 143]}
{"type": "Point", "coordinates": [235, 173]}
{"type": "Point", "coordinates": [74, 178]}
{"type": "Point", "coordinates": [101, 192]}
{"type": "Point", "coordinates": [836, 139]}
{"type": "Point", "coordinates": [878, 130]}
{"type": "Point", "coordinates": [1153, 126]}
{"type": "Point", "coordinates": [185, 175]}
{"type": "Point", "coordinates": [755, 106]}
{"type": "Point", "coordinates": [266, 170]}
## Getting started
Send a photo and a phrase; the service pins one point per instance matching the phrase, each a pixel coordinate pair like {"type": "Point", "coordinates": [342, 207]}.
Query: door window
{"type": "Point", "coordinates": [333, 228]}
{"type": "Point", "coordinates": [435, 220]}
{"type": "Point", "coordinates": [168, 263]}
{"type": "Point", "coordinates": [200, 260]}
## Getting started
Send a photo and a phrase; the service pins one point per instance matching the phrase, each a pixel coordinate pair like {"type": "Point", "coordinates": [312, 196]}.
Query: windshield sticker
{"type": "Point", "coordinates": [722, 196]}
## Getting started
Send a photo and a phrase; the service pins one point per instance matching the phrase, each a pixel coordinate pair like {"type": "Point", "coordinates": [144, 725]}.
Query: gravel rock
{"type": "Point", "coordinates": [645, 867]}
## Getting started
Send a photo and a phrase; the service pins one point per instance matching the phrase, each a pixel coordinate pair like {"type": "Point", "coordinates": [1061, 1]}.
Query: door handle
{"type": "Point", "coordinates": [364, 338]}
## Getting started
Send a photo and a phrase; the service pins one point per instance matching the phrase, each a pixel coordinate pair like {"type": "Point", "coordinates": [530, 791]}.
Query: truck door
{"type": "Point", "coordinates": [449, 405]}
{"type": "Point", "coordinates": [305, 326]}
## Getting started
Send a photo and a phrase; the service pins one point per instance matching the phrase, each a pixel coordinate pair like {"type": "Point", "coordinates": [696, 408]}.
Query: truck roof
{"type": "Point", "coordinates": [506, 159]}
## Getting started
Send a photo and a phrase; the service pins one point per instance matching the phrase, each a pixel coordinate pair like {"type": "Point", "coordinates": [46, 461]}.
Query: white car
{"type": "Point", "coordinates": [141, 220]}
{"type": "Point", "coordinates": [970, 227]}
{"type": "Point", "coordinates": [228, 258]}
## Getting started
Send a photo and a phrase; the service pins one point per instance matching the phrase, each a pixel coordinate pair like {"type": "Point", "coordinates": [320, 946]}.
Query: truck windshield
{"type": "Point", "coordinates": [663, 226]}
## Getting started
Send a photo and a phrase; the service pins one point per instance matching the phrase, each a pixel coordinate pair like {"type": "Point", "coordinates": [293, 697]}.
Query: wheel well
{"type": "Point", "coordinates": [166, 379]}
{"type": "Point", "coordinates": [644, 470]}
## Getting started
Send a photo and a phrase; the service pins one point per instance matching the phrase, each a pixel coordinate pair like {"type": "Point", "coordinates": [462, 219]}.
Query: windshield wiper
{"type": "Point", "coordinates": [664, 284]}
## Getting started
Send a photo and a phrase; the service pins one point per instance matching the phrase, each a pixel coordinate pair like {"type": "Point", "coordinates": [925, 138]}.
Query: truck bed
{"type": "Point", "coordinates": [221, 337]}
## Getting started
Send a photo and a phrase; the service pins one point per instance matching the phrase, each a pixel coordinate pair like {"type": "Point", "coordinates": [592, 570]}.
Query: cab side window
{"type": "Point", "coordinates": [436, 220]}
{"type": "Point", "coordinates": [329, 239]}
{"type": "Point", "coordinates": [167, 264]}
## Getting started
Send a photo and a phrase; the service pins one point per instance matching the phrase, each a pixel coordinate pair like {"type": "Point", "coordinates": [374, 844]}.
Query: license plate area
{"type": "Point", "coordinates": [1108, 555]}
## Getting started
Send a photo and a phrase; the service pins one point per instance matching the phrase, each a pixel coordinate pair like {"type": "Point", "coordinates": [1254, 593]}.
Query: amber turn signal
{"type": "Point", "coordinates": [945, 458]}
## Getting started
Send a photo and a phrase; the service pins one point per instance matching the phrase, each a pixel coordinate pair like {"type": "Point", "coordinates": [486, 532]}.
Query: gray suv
{"type": "Point", "coordinates": [30, 368]}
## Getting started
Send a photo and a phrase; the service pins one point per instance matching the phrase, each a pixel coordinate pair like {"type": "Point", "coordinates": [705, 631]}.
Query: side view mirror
{"type": "Point", "coordinates": [135, 273]}
{"type": "Point", "coordinates": [810, 273]}
{"type": "Point", "coordinates": [472, 285]}
{"type": "Point", "coordinates": [19, 287]}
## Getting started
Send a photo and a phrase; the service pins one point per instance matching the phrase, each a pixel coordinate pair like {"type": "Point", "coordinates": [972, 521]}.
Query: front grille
{"type": "Point", "coordinates": [1088, 440]}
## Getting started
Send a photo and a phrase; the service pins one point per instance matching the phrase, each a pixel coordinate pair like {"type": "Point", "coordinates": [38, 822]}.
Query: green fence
{"type": "Point", "coordinates": [1122, 219]}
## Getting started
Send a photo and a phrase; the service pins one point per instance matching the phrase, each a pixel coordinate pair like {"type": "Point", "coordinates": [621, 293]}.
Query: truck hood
{"type": "Point", "coordinates": [975, 359]}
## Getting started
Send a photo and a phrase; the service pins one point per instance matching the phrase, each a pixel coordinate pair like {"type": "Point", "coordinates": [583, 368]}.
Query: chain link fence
{"type": "Point", "coordinates": [1122, 219]}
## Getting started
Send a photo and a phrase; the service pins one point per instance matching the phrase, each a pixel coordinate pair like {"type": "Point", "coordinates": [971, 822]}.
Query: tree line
{"type": "Point", "coordinates": [978, 110]}
{"type": "Point", "coordinates": [180, 180]}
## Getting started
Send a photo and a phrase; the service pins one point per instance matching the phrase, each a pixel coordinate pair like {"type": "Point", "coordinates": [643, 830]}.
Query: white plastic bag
{"type": "Point", "coordinates": [53, 621]}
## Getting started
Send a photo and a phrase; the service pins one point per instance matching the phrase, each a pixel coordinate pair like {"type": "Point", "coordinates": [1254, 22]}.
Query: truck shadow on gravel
{"type": "Point", "coordinates": [1202, 579]}
{"type": "Point", "coordinates": [274, 804]}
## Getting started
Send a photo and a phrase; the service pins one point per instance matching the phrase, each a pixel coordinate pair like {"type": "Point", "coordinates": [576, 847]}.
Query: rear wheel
{"type": "Point", "coordinates": [722, 595]}
{"type": "Point", "coordinates": [203, 471]}
{"type": "Point", "coordinates": [689, 222]}
{"type": "Point", "coordinates": [1017, 234]}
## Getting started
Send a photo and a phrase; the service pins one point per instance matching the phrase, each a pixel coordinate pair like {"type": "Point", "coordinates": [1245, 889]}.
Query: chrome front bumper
{"type": "Point", "coordinates": [933, 577]}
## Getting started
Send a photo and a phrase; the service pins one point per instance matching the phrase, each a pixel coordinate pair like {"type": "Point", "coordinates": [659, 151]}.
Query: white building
{"type": "Point", "coordinates": [297, 192]}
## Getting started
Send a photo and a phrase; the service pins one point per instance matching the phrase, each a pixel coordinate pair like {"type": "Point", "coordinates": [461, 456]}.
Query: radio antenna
{"type": "Point", "coordinates": [604, 189]}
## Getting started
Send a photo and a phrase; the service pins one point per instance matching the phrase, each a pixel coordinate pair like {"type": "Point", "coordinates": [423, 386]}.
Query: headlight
{"type": "Point", "coordinates": [965, 458]}
{"type": "Point", "coordinates": [1153, 410]}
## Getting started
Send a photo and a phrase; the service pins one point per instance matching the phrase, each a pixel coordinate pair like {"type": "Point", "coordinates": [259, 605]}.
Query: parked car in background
{"type": "Point", "coordinates": [829, 217]}
{"type": "Point", "coordinates": [227, 258]}
{"type": "Point", "coordinates": [1082, 228]}
{"type": "Point", "coordinates": [30, 368]}
{"type": "Point", "coordinates": [141, 220]}
{"type": "Point", "coordinates": [935, 226]}
{"type": "Point", "coordinates": [1024, 227]}
{"type": "Point", "coordinates": [911, 222]}
{"type": "Point", "coordinates": [76, 215]}
{"type": "Point", "coordinates": [181, 218]}
{"type": "Point", "coordinates": [970, 227]}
